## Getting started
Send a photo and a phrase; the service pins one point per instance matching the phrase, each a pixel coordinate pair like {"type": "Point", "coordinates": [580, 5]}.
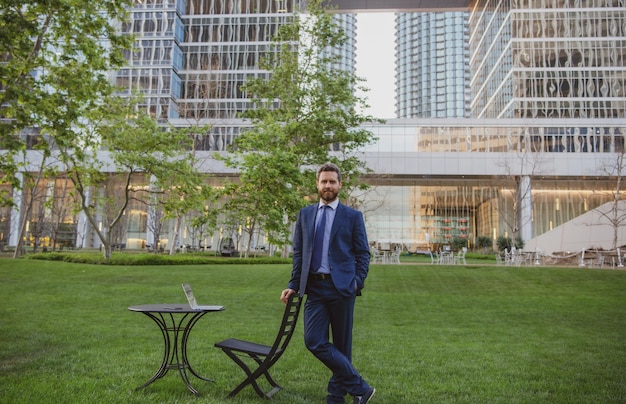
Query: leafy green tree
{"type": "Point", "coordinates": [137, 148]}
{"type": "Point", "coordinates": [32, 194]}
{"type": "Point", "coordinates": [55, 77]}
{"type": "Point", "coordinates": [55, 57]}
{"type": "Point", "coordinates": [306, 112]}
{"type": "Point", "coordinates": [504, 243]}
{"type": "Point", "coordinates": [203, 221]}
{"type": "Point", "coordinates": [458, 243]}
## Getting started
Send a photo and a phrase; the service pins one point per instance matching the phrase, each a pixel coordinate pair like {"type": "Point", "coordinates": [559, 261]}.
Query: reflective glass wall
{"type": "Point", "coordinates": [432, 71]}
{"type": "Point", "coordinates": [417, 216]}
{"type": "Point", "coordinates": [548, 58]}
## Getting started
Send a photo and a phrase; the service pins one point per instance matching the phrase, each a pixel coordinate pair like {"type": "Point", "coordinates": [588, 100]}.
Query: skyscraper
{"type": "Point", "coordinates": [432, 70]}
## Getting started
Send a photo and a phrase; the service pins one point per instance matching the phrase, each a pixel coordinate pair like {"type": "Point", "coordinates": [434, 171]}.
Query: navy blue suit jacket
{"type": "Point", "coordinates": [348, 250]}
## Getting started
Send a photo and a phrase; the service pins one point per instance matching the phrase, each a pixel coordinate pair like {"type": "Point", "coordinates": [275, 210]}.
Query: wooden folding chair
{"type": "Point", "coordinates": [264, 356]}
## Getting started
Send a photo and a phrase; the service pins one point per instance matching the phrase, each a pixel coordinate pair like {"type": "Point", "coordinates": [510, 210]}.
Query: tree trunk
{"type": "Point", "coordinates": [107, 251]}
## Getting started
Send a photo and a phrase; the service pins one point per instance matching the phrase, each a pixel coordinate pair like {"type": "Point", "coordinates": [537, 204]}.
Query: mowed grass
{"type": "Point", "coordinates": [427, 334]}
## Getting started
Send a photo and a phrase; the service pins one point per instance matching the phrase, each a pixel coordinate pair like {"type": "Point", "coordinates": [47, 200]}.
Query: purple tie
{"type": "Point", "coordinates": [318, 241]}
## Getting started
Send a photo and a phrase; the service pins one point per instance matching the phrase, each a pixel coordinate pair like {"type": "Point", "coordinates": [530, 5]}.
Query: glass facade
{"type": "Point", "coordinates": [432, 71]}
{"type": "Point", "coordinates": [443, 178]}
{"type": "Point", "coordinates": [421, 215]}
{"type": "Point", "coordinates": [548, 59]}
{"type": "Point", "coordinates": [469, 178]}
{"type": "Point", "coordinates": [192, 57]}
{"type": "Point", "coordinates": [155, 61]}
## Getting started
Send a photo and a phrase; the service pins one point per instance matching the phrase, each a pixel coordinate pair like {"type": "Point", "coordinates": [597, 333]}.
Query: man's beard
{"type": "Point", "coordinates": [328, 196]}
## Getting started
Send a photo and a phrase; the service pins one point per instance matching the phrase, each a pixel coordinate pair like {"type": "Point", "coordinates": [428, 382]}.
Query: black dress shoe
{"type": "Point", "coordinates": [365, 398]}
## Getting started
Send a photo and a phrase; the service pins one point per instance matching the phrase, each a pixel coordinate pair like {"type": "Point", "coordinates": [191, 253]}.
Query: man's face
{"type": "Point", "coordinates": [328, 186]}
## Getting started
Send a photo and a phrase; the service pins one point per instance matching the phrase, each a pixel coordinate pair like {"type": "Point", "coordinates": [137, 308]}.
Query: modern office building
{"type": "Point", "coordinates": [192, 57]}
{"type": "Point", "coordinates": [524, 60]}
{"type": "Point", "coordinates": [523, 138]}
{"type": "Point", "coordinates": [432, 65]}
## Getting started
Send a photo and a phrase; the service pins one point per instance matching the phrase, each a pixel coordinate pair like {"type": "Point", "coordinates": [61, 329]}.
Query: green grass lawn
{"type": "Point", "coordinates": [428, 334]}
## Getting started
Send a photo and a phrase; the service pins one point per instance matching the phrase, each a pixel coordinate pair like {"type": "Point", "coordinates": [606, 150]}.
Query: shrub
{"type": "Point", "coordinates": [458, 243]}
{"type": "Point", "coordinates": [153, 259]}
{"type": "Point", "coordinates": [484, 242]}
{"type": "Point", "coordinates": [504, 243]}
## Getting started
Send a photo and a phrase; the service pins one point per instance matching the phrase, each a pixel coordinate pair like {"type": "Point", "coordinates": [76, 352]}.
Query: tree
{"type": "Point", "coordinates": [520, 172]}
{"type": "Point", "coordinates": [55, 57]}
{"type": "Point", "coordinates": [504, 243]}
{"type": "Point", "coordinates": [138, 148]}
{"type": "Point", "coordinates": [484, 242]}
{"type": "Point", "coordinates": [61, 212]}
{"type": "Point", "coordinates": [202, 221]}
{"type": "Point", "coordinates": [458, 243]}
{"type": "Point", "coordinates": [156, 221]}
{"type": "Point", "coordinates": [615, 215]}
{"type": "Point", "coordinates": [55, 61]}
{"type": "Point", "coordinates": [305, 113]}
{"type": "Point", "coordinates": [32, 196]}
{"type": "Point", "coordinates": [185, 192]}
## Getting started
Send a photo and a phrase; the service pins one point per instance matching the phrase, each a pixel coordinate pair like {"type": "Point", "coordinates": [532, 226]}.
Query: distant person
{"type": "Point", "coordinates": [330, 263]}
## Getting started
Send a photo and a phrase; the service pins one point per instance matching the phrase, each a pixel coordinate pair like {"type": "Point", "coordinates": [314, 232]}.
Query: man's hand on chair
{"type": "Point", "coordinates": [284, 296]}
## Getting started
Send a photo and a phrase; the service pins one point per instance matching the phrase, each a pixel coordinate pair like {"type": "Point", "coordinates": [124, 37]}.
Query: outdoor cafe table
{"type": "Point", "coordinates": [175, 322]}
{"type": "Point", "coordinates": [386, 255]}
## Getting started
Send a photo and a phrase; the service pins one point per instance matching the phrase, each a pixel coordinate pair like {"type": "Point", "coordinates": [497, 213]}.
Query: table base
{"type": "Point", "coordinates": [175, 336]}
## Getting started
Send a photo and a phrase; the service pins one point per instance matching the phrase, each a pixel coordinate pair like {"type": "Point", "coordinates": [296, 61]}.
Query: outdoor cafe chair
{"type": "Point", "coordinates": [257, 359]}
{"type": "Point", "coordinates": [394, 258]}
{"type": "Point", "coordinates": [377, 256]}
{"type": "Point", "coordinates": [460, 256]}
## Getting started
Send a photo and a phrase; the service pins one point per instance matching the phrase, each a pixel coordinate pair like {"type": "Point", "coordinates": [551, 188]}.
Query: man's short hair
{"type": "Point", "coordinates": [329, 167]}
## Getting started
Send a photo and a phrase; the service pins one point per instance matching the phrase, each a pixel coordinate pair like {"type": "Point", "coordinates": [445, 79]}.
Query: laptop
{"type": "Point", "coordinates": [194, 304]}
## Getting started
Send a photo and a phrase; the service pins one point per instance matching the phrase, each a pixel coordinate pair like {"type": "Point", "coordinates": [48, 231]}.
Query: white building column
{"type": "Point", "coordinates": [526, 209]}
{"type": "Point", "coordinates": [16, 211]}
{"type": "Point", "coordinates": [83, 228]}
{"type": "Point", "coordinates": [95, 240]}
{"type": "Point", "coordinates": [151, 212]}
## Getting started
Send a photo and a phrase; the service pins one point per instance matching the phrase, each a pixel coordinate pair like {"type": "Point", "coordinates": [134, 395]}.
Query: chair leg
{"type": "Point", "coordinates": [253, 376]}
{"type": "Point", "coordinates": [270, 380]}
{"type": "Point", "coordinates": [275, 386]}
{"type": "Point", "coordinates": [248, 380]}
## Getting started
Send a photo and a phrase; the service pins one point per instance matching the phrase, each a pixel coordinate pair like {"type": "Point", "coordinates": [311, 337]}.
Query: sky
{"type": "Point", "coordinates": [375, 61]}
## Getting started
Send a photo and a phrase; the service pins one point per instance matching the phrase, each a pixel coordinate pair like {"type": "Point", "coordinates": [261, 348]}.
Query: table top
{"type": "Point", "coordinates": [173, 308]}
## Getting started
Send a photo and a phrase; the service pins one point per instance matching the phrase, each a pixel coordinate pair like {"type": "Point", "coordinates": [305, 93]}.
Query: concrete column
{"type": "Point", "coordinates": [526, 208]}
{"type": "Point", "coordinates": [95, 240]}
{"type": "Point", "coordinates": [151, 212]}
{"type": "Point", "coordinates": [83, 228]}
{"type": "Point", "coordinates": [16, 212]}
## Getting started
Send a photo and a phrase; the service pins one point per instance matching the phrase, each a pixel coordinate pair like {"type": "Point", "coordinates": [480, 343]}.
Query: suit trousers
{"type": "Point", "coordinates": [327, 310]}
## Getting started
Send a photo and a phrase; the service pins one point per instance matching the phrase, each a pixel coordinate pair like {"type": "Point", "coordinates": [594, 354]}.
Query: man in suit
{"type": "Point", "coordinates": [330, 263]}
